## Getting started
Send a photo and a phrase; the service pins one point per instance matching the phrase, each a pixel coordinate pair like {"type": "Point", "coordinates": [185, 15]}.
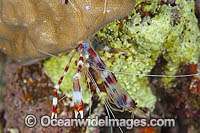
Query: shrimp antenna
{"type": "Point", "coordinates": [153, 75]}
{"type": "Point", "coordinates": [97, 89]}
{"type": "Point", "coordinates": [90, 97]}
{"type": "Point", "coordinates": [105, 6]}
{"type": "Point", "coordinates": [105, 102]}
{"type": "Point", "coordinates": [44, 52]}
{"type": "Point", "coordinates": [62, 98]}
{"type": "Point", "coordinates": [73, 6]}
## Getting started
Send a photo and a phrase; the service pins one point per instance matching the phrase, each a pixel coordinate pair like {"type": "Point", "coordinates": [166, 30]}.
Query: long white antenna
{"type": "Point", "coordinates": [153, 75]}
{"type": "Point", "coordinates": [105, 102]}
{"type": "Point", "coordinates": [41, 51]}
{"type": "Point", "coordinates": [105, 4]}
{"type": "Point", "coordinates": [158, 75]}
{"type": "Point", "coordinates": [73, 6]}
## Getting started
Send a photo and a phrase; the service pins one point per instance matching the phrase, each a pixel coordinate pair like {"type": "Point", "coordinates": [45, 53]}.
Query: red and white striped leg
{"type": "Point", "coordinates": [78, 102]}
{"type": "Point", "coordinates": [57, 86]}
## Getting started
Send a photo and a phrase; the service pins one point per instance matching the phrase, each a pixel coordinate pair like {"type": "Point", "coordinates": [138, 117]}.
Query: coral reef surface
{"type": "Point", "coordinates": [133, 45]}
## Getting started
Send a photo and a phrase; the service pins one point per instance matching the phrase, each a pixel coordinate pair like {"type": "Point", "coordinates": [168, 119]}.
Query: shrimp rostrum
{"type": "Point", "coordinates": [91, 65]}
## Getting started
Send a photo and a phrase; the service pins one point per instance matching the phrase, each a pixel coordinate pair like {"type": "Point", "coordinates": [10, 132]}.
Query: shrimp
{"type": "Point", "coordinates": [91, 64]}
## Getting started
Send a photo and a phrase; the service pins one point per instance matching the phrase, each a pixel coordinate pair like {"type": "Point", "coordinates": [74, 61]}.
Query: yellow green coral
{"type": "Point", "coordinates": [171, 31]}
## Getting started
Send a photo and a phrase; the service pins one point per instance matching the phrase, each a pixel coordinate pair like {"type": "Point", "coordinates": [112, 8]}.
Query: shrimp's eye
{"type": "Point", "coordinates": [135, 104]}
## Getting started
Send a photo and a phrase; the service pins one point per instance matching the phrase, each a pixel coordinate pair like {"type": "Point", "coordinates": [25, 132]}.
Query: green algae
{"type": "Point", "coordinates": [170, 31]}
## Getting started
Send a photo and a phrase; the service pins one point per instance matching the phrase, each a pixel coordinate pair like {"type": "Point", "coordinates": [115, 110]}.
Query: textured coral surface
{"type": "Point", "coordinates": [29, 91]}
{"type": "Point", "coordinates": [133, 45]}
{"type": "Point", "coordinates": [157, 28]}
{"type": "Point", "coordinates": [158, 37]}
{"type": "Point", "coordinates": [27, 26]}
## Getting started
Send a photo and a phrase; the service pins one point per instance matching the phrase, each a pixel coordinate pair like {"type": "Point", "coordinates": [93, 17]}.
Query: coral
{"type": "Point", "coordinates": [181, 101]}
{"type": "Point", "coordinates": [158, 37]}
{"type": "Point", "coordinates": [170, 31]}
{"type": "Point", "coordinates": [154, 29]}
{"type": "Point", "coordinates": [31, 26]}
{"type": "Point", "coordinates": [29, 91]}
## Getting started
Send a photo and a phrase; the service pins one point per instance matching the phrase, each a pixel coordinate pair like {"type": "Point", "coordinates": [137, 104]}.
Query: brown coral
{"type": "Point", "coordinates": [30, 26]}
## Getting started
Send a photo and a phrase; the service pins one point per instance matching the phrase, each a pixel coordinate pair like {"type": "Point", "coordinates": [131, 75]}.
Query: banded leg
{"type": "Point", "coordinates": [78, 102]}
{"type": "Point", "coordinates": [118, 95]}
{"type": "Point", "coordinates": [57, 86]}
